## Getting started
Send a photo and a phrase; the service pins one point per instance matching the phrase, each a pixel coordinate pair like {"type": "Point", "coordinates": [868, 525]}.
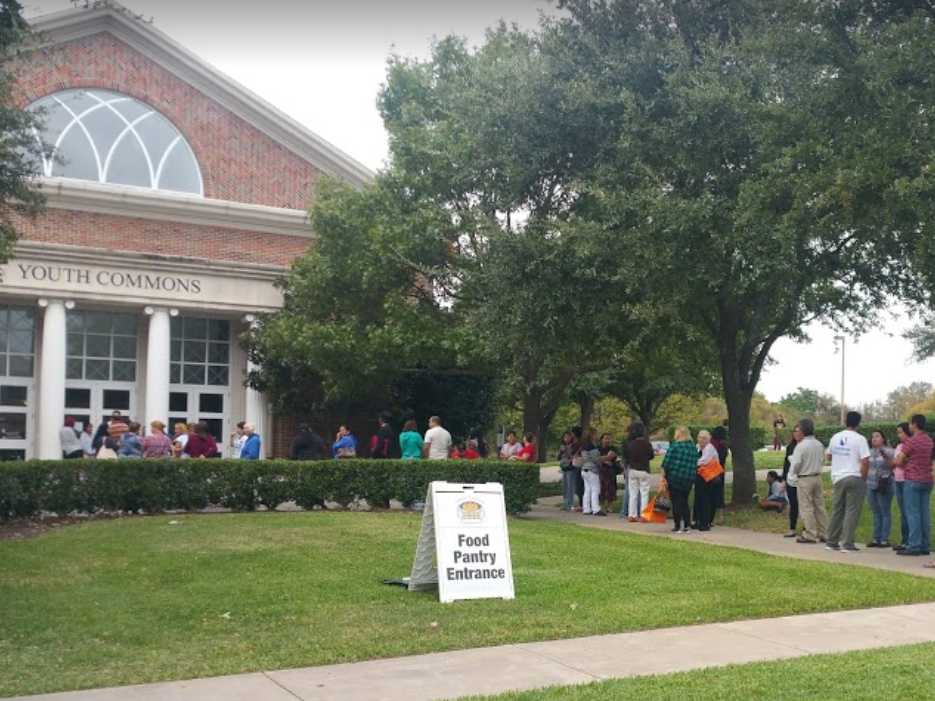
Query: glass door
{"type": "Point", "coordinates": [15, 420]}
{"type": "Point", "coordinates": [96, 402]}
{"type": "Point", "coordinates": [191, 404]}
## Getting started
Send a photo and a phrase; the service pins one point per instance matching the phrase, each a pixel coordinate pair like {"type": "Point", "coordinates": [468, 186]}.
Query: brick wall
{"type": "Point", "coordinates": [238, 162]}
{"type": "Point", "coordinates": [166, 238]}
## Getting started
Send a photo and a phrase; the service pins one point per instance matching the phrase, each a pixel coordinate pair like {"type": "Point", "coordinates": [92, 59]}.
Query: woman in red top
{"type": "Point", "coordinates": [470, 453]}
{"type": "Point", "coordinates": [528, 452]}
{"type": "Point", "coordinates": [200, 443]}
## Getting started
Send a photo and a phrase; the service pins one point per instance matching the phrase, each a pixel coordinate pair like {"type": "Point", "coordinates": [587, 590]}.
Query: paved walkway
{"type": "Point", "coordinates": [768, 543]}
{"type": "Point", "coordinates": [495, 670]}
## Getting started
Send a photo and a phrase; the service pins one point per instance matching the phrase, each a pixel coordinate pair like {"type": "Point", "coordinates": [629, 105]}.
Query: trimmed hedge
{"type": "Point", "coordinates": [88, 486]}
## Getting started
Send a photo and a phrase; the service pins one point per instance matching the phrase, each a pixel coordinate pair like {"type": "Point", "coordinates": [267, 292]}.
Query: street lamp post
{"type": "Point", "coordinates": [839, 345]}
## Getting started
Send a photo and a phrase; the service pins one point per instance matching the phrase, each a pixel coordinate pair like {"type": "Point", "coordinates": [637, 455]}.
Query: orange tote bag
{"type": "Point", "coordinates": [711, 471]}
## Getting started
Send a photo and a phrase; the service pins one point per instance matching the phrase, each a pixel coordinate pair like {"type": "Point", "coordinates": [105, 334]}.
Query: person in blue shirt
{"type": "Point", "coordinates": [345, 444]}
{"type": "Point", "coordinates": [251, 447]}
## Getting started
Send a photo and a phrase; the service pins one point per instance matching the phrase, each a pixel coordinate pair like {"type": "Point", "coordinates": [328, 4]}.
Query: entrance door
{"type": "Point", "coordinates": [191, 404]}
{"type": "Point", "coordinates": [16, 420]}
{"type": "Point", "coordinates": [95, 402]}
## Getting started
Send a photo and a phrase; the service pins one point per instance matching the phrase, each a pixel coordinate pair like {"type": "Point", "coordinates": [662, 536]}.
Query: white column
{"type": "Point", "coordinates": [157, 364]}
{"type": "Point", "coordinates": [256, 404]}
{"type": "Point", "coordinates": [52, 378]}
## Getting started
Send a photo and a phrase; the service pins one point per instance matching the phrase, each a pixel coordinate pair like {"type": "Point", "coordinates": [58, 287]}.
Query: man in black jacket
{"type": "Point", "coordinates": [383, 444]}
{"type": "Point", "coordinates": [307, 445]}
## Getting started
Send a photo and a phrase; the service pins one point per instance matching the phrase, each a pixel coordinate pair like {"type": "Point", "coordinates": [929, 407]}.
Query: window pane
{"type": "Point", "coordinates": [124, 371]}
{"type": "Point", "coordinates": [218, 375]}
{"type": "Point", "coordinates": [104, 127]}
{"type": "Point", "coordinates": [97, 369]}
{"type": "Point", "coordinates": [219, 353]}
{"type": "Point", "coordinates": [194, 352]}
{"type": "Point", "coordinates": [97, 346]}
{"type": "Point", "coordinates": [74, 369]}
{"type": "Point", "coordinates": [9, 455]}
{"type": "Point", "coordinates": [75, 321]}
{"type": "Point", "coordinates": [116, 399]}
{"type": "Point", "coordinates": [176, 352]}
{"type": "Point", "coordinates": [220, 329]}
{"type": "Point", "coordinates": [12, 425]}
{"type": "Point", "coordinates": [20, 341]}
{"type": "Point", "coordinates": [125, 346]}
{"type": "Point", "coordinates": [215, 428]}
{"type": "Point", "coordinates": [193, 375]}
{"type": "Point", "coordinates": [175, 325]}
{"type": "Point", "coordinates": [21, 366]}
{"type": "Point", "coordinates": [180, 171]}
{"type": "Point", "coordinates": [128, 164]}
{"type": "Point", "coordinates": [75, 344]}
{"type": "Point", "coordinates": [196, 328]}
{"type": "Point", "coordinates": [125, 324]}
{"type": "Point", "coordinates": [98, 322]}
{"type": "Point", "coordinates": [22, 319]}
{"type": "Point", "coordinates": [178, 401]}
{"type": "Point", "coordinates": [211, 403]}
{"type": "Point", "coordinates": [76, 157]}
{"type": "Point", "coordinates": [13, 395]}
{"type": "Point", "coordinates": [4, 339]}
{"type": "Point", "coordinates": [3, 371]}
{"type": "Point", "coordinates": [175, 374]}
{"type": "Point", "coordinates": [77, 398]}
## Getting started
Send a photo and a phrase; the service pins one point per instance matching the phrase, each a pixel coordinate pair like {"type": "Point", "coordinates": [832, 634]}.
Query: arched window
{"type": "Point", "coordinates": [106, 137]}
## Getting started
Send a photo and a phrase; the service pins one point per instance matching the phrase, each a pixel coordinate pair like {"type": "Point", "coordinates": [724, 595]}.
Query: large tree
{"type": "Point", "coordinates": [494, 138]}
{"type": "Point", "coordinates": [19, 148]}
{"type": "Point", "coordinates": [749, 169]}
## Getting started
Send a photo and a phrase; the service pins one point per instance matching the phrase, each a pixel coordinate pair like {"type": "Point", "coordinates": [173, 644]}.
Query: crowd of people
{"type": "Point", "coordinates": [590, 467]}
{"type": "Point", "coordinates": [861, 470]}
{"type": "Point", "coordinates": [118, 437]}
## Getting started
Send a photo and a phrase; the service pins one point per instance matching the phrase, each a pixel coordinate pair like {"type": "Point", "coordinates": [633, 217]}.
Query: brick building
{"type": "Point", "coordinates": [175, 199]}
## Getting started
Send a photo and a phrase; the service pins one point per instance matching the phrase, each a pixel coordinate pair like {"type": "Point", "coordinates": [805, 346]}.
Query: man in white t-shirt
{"type": "Point", "coordinates": [511, 448]}
{"type": "Point", "coordinates": [437, 441]}
{"type": "Point", "coordinates": [850, 463]}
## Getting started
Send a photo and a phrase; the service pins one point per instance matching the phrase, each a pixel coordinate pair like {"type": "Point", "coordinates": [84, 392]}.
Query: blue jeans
{"type": "Point", "coordinates": [881, 505]}
{"type": "Point", "coordinates": [916, 499]}
{"type": "Point", "coordinates": [569, 480]}
{"type": "Point", "coordinates": [903, 521]}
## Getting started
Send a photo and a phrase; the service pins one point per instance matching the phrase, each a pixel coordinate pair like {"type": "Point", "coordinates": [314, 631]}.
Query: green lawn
{"type": "Point", "coordinates": [772, 522]}
{"type": "Point", "coordinates": [138, 600]}
{"type": "Point", "coordinates": [889, 673]}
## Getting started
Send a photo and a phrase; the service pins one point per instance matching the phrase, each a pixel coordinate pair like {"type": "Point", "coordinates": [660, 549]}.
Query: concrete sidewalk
{"type": "Point", "coordinates": [494, 670]}
{"type": "Point", "coordinates": [767, 543]}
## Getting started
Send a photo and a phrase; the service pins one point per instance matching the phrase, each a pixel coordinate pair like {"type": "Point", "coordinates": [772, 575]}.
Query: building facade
{"type": "Point", "coordinates": [176, 199]}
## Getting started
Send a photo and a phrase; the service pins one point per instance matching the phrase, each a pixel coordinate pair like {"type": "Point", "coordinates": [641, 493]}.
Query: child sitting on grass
{"type": "Point", "coordinates": [776, 500]}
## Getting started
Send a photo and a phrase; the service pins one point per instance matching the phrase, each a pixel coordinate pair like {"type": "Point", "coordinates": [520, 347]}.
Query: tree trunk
{"type": "Point", "coordinates": [738, 412]}
{"type": "Point", "coordinates": [534, 422]}
{"type": "Point", "coordinates": [587, 411]}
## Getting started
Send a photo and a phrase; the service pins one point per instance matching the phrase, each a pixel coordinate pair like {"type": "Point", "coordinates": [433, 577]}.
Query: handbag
{"type": "Point", "coordinates": [662, 504]}
{"type": "Point", "coordinates": [651, 514]}
{"type": "Point", "coordinates": [711, 471]}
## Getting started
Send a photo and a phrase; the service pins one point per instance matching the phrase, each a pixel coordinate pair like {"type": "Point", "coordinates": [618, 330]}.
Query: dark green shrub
{"type": "Point", "coordinates": [64, 486]}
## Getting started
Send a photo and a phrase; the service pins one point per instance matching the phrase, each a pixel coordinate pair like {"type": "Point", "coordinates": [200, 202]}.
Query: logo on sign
{"type": "Point", "coordinates": [470, 511]}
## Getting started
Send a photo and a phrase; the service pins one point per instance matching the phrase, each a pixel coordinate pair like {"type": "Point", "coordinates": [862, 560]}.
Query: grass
{"type": "Point", "coordinates": [145, 599]}
{"type": "Point", "coordinates": [889, 673]}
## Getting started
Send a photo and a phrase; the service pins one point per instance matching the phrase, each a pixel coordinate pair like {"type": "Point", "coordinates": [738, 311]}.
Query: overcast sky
{"type": "Point", "coordinates": [322, 62]}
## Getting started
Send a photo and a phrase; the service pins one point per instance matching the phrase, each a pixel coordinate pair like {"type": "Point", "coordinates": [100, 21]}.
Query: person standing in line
{"type": "Point", "coordinates": [705, 489]}
{"type": "Point", "coordinates": [529, 452]}
{"type": "Point", "coordinates": [236, 441]}
{"type": "Point", "coordinates": [201, 444]}
{"type": "Point", "coordinates": [157, 443]}
{"type": "Point", "coordinates": [576, 463]}
{"type": "Point", "coordinates": [792, 492]}
{"type": "Point", "coordinates": [850, 463]}
{"type": "Point", "coordinates": [471, 452]}
{"type": "Point", "coordinates": [680, 466]}
{"type": "Point", "coordinates": [383, 442]}
{"type": "Point", "coordinates": [805, 466]}
{"type": "Point", "coordinates": [899, 483]}
{"type": "Point", "coordinates": [410, 442]}
{"type": "Point", "coordinates": [437, 441]}
{"type": "Point", "coordinates": [71, 442]}
{"type": "Point", "coordinates": [251, 449]}
{"type": "Point", "coordinates": [637, 454]}
{"type": "Point", "coordinates": [589, 455]}
{"type": "Point", "coordinates": [566, 455]}
{"type": "Point", "coordinates": [608, 469]}
{"type": "Point", "coordinates": [307, 445]}
{"type": "Point", "coordinates": [345, 443]}
{"type": "Point", "coordinates": [87, 440]}
{"type": "Point", "coordinates": [131, 446]}
{"type": "Point", "coordinates": [719, 441]}
{"type": "Point", "coordinates": [180, 440]}
{"type": "Point", "coordinates": [916, 460]}
{"type": "Point", "coordinates": [511, 448]}
{"type": "Point", "coordinates": [880, 489]}
{"type": "Point", "coordinates": [102, 430]}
